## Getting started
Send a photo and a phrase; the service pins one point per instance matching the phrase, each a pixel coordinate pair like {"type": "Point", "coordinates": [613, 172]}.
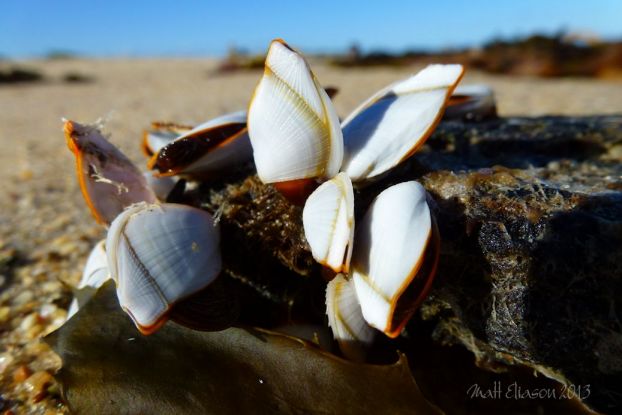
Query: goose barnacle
{"type": "Point", "coordinates": [471, 102]}
{"type": "Point", "coordinates": [346, 319]}
{"type": "Point", "coordinates": [159, 254]}
{"type": "Point", "coordinates": [159, 135]}
{"type": "Point", "coordinates": [161, 185]}
{"type": "Point", "coordinates": [292, 130]}
{"type": "Point", "coordinates": [394, 122]}
{"type": "Point", "coordinates": [109, 181]}
{"type": "Point", "coordinates": [293, 126]}
{"type": "Point", "coordinates": [207, 149]}
{"type": "Point", "coordinates": [94, 275]}
{"type": "Point", "coordinates": [396, 251]}
{"type": "Point", "coordinates": [328, 219]}
{"type": "Point", "coordinates": [295, 132]}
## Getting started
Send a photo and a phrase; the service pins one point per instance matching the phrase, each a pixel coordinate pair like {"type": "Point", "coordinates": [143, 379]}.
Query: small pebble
{"type": "Point", "coordinates": [5, 312]}
{"type": "Point", "coordinates": [21, 374]}
{"type": "Point", "coordinates": [29, 321]}
{"type": "Point", "coordinates": [51, 286]}
{"type": "Point", "coordinates": [47, 311]}
{"type": "Point", "coordinates": [34, 332]}
{"type": "Point", "coordinates": [23, 297]}
{"type": "Point", "coordinates": [37, 385]}
{"type": "Point", "coordinates": [5, 362]}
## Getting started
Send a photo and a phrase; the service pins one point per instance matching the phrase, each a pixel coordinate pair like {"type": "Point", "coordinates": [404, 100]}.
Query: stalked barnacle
{"type": "Point", "coordinates": [161, 185]}
{"type": "Point", "coordinates": [109, 181]}
{"type": "Point", "coordinates": [395, 251]}
{"type": "Point", "coordinates": [94, 275]}
{"type": "Point", "coordinates": [471, 102]}
{"type": "Point", "coordinates": [346, 318]}
{"type": "Point", "coordinates": [157, 254]}
{"type": "Point", "coordinates": [394, 123]}
{"type": "Point", "coordinates": [293, 126]}
{"type": "Point", "coordinates": [205, 150]}
{"type": "Point", "coordinates": [328, 219]}
{"type": "Point", "coordinates": [296, 135]}
{"type": "Point", "coordinates": [159, 135]}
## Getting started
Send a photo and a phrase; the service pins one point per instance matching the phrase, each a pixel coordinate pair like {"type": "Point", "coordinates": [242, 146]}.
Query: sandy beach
{"type": "Point", "coordinates": [46, 230]}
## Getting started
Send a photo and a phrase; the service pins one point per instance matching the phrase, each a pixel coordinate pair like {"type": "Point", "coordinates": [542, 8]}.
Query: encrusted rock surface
{"type": "Point", "coordinates": [531, 267]}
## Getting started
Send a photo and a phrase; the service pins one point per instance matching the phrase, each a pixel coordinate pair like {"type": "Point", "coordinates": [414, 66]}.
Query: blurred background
{"type": "Point", "coordinates": [491, 35]}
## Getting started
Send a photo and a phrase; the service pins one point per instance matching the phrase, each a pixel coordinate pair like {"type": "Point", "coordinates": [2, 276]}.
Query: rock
{"type": "Point", "coordinates": [530, 214]}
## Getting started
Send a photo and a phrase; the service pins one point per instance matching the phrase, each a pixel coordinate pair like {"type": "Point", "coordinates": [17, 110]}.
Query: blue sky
{"type": "Point", "coordinates": [198, 28]}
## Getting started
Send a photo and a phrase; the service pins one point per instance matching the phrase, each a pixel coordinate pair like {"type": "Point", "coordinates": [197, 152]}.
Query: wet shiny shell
{"type": "Point", "coordinates": [211, 147]}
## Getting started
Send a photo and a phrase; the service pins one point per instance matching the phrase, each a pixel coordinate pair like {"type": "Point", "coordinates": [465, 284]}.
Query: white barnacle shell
{"type": "Point", "coordinates": [393, 123]}
{"type": "Point", "coordinates": [471, 102]}
{"type": "Point", "coordinates": [395, 255]}
{"type": "Point", "coordinates": [208, 148]}
{"type": "Point", "coordinates": [345, 318]}
{"type": "Point", "coordinates": [94, 275]}
{"type": "Point", "coordinates": [158, 255]}
{"type": "Point", "coordinates": [293, 126]}
{"type": "Point", "coordinates": [328, 219]}
{"type": "Point", "coordinates": [108, 179]}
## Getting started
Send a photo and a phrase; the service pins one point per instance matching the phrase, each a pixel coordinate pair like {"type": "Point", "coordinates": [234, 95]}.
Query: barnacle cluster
{"type": "Point", "coordinates": [380, 269]}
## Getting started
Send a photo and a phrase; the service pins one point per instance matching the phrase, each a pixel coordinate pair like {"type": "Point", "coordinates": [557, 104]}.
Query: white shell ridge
{"type": "Point", "coordinates": [108, 179]}
{"type": "Point", "coordinates": [345, 318]}
{"type": "Point", "coordinates": [293, 126]}
{"type": "Point", "coordinates": [390, 245]}
{"type": "Point", "coordinates": [394, 122]}
{"type": "Point", "coordinates": [160, 254]}
{"type": "Point", "coordinates": [328, 219]}
{"type": "Point", "coordinates": [96, 269]}
{"type": "Point", "coordinates": [94, 275]}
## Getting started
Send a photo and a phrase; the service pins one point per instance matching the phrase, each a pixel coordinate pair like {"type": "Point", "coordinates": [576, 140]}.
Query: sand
{"type": "Point", "coordinates": [46, 230]}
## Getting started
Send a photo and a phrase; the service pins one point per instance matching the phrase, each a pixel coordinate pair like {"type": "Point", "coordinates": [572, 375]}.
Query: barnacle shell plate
{"type": "Point", "coordinates": [209, 148]}
{"type": "Point", "coordinates": [328, 219]}
{"type": "Point", "coordinates": [94, 275]}
{"type": "Point", "coordinates": [158, 255]}
{"type": "Point", "coordinates": [346, 319]}
{"type": "Point", "coordinates": [293, 126]}
{"type": "Point", "coordinates": [393, 123]}
{"type": "Point", "coordinates": [395, 256]}
{"type": "Point", "coordinates": [108, 179]}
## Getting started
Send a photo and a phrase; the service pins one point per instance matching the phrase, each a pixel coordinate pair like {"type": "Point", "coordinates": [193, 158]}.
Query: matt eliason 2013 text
{"type": "Point", "coordinates": [515, 391]}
